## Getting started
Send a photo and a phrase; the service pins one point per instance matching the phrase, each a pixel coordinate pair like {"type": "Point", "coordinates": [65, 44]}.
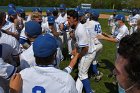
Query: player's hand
{"type": "Point", "coordinates": [15, 83]}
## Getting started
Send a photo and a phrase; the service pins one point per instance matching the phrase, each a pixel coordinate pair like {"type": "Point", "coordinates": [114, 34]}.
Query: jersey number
{"type": "Point", "coordinates": [38, 89]}
{"type": "Point", "coordinates": [98, 28]}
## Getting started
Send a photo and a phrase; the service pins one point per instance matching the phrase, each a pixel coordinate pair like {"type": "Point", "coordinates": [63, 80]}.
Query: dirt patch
{"type": "Point", "coordinates": [104, 16]}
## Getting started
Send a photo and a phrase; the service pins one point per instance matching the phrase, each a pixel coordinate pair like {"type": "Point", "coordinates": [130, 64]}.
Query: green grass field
{"type": "Point", "coordinates": [106, 60]}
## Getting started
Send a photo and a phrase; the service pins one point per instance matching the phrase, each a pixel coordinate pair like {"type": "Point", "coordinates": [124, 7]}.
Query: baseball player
{"type": "Point", "coordinates": [8, 26]}
{"type": "Point", "coordinates": [32, 30]}
{"type": "Point", "coordinates": [121, 32]}
{"type": "Point", "coordinates": [19, 24]}
{"type": "Point", "coordinates": [86, 52]}
{"type": "Point", "coordinates": [23, 40]}
{"type": "Point", "coordinates": [52, 30]}
{"type": "Point", "coordinates": [62, 22]}
{"type": "Point", "coordinates": [94, 28]}
{"type": "Point", "coordinates": [111, 22]}
{"type": "Point", "coordinates": [48, 79]}
{"type": "Point", "coordinates": [7, 70]}
{"type": "Point", "coordinates": [39, 10]}
{"type": "Point", "coordinates": [133, 21]}
{"type": "Point", "coordinates": [10, 43]}
{"type": "Point", "coordinates": [10, 6]}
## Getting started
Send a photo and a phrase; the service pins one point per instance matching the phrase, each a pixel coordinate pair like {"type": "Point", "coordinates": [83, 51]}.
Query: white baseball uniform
{"type": "Point", "coordinates": [94, 29]}
{"type": "Point", "coordinates": [82, 39]}
{"type": "Point", "coordinates": [10, 27]}
{"type": "Point", "coordinates": [47, 80]}
{"type": "Point", "coordinates": [111, 23]}
{"type": "Point", "coordinates": [133, 23]}
{"type": "Point", "coordinates": [27, 58]}
{"type": "Point", "coordinates": [122, 32]}
{"type": "Point", "coordinates": [12, 44]}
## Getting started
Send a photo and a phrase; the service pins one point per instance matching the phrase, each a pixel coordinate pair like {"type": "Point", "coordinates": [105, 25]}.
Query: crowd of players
{"type": "Point", "coordinates": [33, 47]}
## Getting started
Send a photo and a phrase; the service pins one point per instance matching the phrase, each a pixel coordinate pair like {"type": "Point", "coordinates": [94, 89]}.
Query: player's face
{"type": "Point", "coordinates": [71, 21]}
{"type": "Point", "coordinates": [120, 72]}
{"type": "Point", "coordinates": [39, 20]}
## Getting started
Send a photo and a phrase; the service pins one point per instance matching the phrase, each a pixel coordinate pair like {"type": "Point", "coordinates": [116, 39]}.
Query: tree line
{"type": "Point", "coordinates": [103, 4]}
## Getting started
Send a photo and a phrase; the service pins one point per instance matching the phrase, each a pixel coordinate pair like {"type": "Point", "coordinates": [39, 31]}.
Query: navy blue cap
{"type": "Point", "coordinates": [120, 17]}
{"type": "Point", "coordinates": [12, 12]}
{"type": "Point", "coordinates": [51, 19]}
{"type": "Point", "coordinates": [44, 45]}
{"type": "Point", "coordinates": [33, 28]}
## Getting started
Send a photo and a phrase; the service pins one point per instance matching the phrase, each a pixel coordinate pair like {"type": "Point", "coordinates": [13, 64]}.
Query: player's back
{"type": "Point", "coordinates": [47, 80]}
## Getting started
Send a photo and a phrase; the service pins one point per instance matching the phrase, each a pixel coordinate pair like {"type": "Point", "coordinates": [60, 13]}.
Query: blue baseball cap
{"type": "Point", "coordinates": [12, 12]}
{"type": "Point", "coordinates": [120, 17]}
{"type": "Point", "coordinates": [44, 45]}
{"type": "Point", "coordinates": [95, 13]}
{"type": "Point", "coordinates": [51, 19]}
{"type": "Point", "coordinates": [37, 10]}
{"type": "Point", "coordinates": [33, 28]}
{"type": "Point", "coordinates": [11, 6]}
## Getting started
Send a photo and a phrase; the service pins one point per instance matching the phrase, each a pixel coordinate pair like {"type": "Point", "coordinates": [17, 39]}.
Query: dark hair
{"type": "Point", "coordinates": [129, 48]}
{"type": "Point", "coordinates": [73, 14]}
{"type": "Point", "coordinates": [45, 60]}
{"type": "Point", "coordinates": [93, 17]}
{"type": "Point", "coordinates": [2, 15]}
{"type": "Point", "coordinates": [55, 13]}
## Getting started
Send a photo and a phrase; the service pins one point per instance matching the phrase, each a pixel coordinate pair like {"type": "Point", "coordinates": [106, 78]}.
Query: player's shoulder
{"type": "Point", "coordinates": [96, 22]}
{"type": "Point", "coordinates": [7, 37]}
{"type": "Point", "coordinates": [124, 28]}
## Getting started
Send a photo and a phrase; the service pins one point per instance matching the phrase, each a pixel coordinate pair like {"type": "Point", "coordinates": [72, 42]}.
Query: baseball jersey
{"type": "Point", "coordinates": [133, 20]}
{"type": "Point", "coordinates": [122, 32]}
{"type": "Point", "coordinates": [10, 43]}
{"type": "Point", "coordinates": [62, 19]}
{"type": "Point", "coordinates": [94, 29]}
{"type": "Point", "coordinates": [81, 36]}
{"type": "Point", "coordinates": [27, 58]}
{"type": "Point", "coordinates": [133, 23]}
{"type": "Point", "coordinates": [111, 21]}
{"type": "Point", "coordinates": [7, 70]}
{"type": "Point", "coordinates": [9, 26]}
{"type": "Point", "coordinates": [47, 80]}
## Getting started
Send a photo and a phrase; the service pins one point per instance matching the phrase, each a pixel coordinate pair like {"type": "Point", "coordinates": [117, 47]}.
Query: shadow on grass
{"type": "Point", "coordinates": [111, 87]}
{"type": "Point", "coordinates": [108, 65]}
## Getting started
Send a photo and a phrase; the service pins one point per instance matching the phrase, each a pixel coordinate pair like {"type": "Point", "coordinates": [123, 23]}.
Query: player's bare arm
{"type": "Point", "coordinates": [15, 83]}
{"type": "Point", "coordinates": [111, 39]}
